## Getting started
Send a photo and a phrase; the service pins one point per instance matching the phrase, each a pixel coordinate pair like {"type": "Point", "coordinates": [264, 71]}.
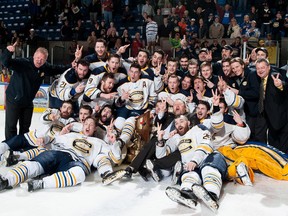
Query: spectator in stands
{"type": "Point", "coordinates": [180, 8]}
{"type": "Point", "coordinates": [158, 18]}
{"type": "Point", "coordinates": [216, 30]}
{"type": "Point", "coordinates": [285, 26]}
{"type": "Point", "coordinates": [234, 30]}
{"type": "Point", "coordinates": [175, 42]}
{"type": "Point", "coordinates": [253, 14]}
{"type": "Point", "coordinates": [66, 31]}
{"type": "Point", "coordinates": [107, 8]}
{"type": "Point", "coordinates": [183, 26]}
{"type": "Point", "coordinates": [277, 26]}
{"type": "Point", "coordinates": [245, 25]}
{"type": "Point", "coordinates": [3, 34]}
{"type": "Point", "coordinates": [192, 29]}
{"type": "Point", "coordinates": [210, 20]}
{"type": "Point", "coordinates": [127, 15]}
{"type": "Point", "coordinates": [111, 39]}
{"type": "Point", "coordinates": [97, 29]}
{"type": "Point", "coordinates": [209, 5]}
{"type": "Point", "coordinates": [173, 17]}
{"type": "Point", "coordinates": [125, 40]}
{"type": "Point", "coordinates": [253, 31]}
{"type": "Point", "coordinates": [151, 33]}
{"type": "Point", "coordinates": [225, 16]}
{"type": "Point", "coordinates": [91, 42]}
{"type": "Point", "coordinates": [111, 29]}
{"type": "Point", "coordinates": [80, 31]}
{"type": "Point", "coordinates": [148, 9]}
{"type": "Point", "coordinates": [237, 47]}
{"type": "Point", "coordinates": [165, 29]}
{"type": "Point", "coordinates": [76, 13]}
{"type": "Point", "coordinates": [137, 44]}
{"type": "Point", "coordinates": [94, 8]}
{"type": "Point", "coordinates": [216, 49]}
{"type": "Point", "coordinates": [186, 16]}
{"type": "Point", "coordinates": [202, 30]}
{"type": "Point", "coordinates": [265, 16]}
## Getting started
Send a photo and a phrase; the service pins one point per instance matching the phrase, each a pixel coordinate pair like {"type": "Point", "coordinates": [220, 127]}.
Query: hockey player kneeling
{"type": "Point", "coordinates": [203, 168]}
{"type": "Point", "coordinates": [69, 163]}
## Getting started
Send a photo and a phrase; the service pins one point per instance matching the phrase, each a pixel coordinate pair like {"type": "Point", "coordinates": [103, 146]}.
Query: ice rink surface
{"type": "Point", "coordinates": [268, 197]}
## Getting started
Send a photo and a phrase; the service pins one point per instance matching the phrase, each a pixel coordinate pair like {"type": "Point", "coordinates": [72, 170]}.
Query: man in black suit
{"type": "Point", "coordinates": [273, 104]}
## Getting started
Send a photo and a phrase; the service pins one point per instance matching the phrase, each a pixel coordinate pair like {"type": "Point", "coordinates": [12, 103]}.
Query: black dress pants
{"type": "Point", "coordinates": [16, 113]}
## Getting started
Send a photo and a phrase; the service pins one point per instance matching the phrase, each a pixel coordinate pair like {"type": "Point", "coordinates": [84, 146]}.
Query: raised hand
{"type": "Point", "coordinates": [66, 129]}
{"type": "Point", "coordinates": [199, 94]}
{"type": "Point", "coordinates": [11, 48]}
{"type": "Point", "coordinates": [237, 118]}
{"type": "Point", "coordinates": [108, 96]}
{"type": "Point", "coordinates": [80, 88]}
{"type": "Point", "coordinates": [158, 69]}
{"type": "Point", "coordinates": [190, 166]}
{"type": "Point", "coordinates": [247, 60]}
{"type": "Point", "coordinates": [54, 117]}
{"type": "Point", "coordinates": [215, 98]}
{"type": "Point", "coordinates": [209, 83]}
{"type": "Point", "coordinates": [78, 53]}
{"type": "Point", "coordinates": [125, 95]}
{"type": "Point", "coordinates": [277, 81]}
{"type": "Point", "coordinates": [40, 141]}
{"type": "Point", "coordinates": [190, 98]}
{"type": "Point", "coordinates": [160, 132]}
{"type": "Point", "coordinates": [122, 49]}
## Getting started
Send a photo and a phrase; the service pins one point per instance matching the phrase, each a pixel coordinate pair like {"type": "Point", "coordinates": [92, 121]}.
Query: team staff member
{"type": "Point", "coordinates": [28, 75]}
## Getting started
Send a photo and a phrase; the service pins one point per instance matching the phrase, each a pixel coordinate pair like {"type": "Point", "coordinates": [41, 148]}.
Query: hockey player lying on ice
{"type": "Point", "coordinates": [70, 163]}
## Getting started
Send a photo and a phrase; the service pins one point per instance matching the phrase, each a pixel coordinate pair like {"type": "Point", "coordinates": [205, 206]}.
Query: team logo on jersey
{"type": "Point", "coordinates": [233, 85]}
{"type": "Point", "coordinates": [55, 129]}
{"type": "Point", "coordinates": [185, 145]}
{"type": "Point", "coordinates": [137, 97]}
{"type": "Point", "coordinates": [42, 74]}
{"type": "Point", "coordinates": [82, 145]}
{"type": "Point", "coordinates": [244, 83]}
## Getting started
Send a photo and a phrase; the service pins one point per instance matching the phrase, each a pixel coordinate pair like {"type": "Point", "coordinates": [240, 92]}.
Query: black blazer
{"type": "Point", "coordinates": [275, 103]}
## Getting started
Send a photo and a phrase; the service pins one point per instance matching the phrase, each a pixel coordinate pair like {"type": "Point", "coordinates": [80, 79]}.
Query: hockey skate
{"type": "Point", "coordinates": [178, 168]}
{"type": "Point", "coordinates": [243, 175]}
{"type": "Point", "coordinates": [9, 159]}
{"type": "Point", "coordinates": [183, 197]}
{"type": "Point", "coordinates": [34, 185]}
{"type": "Point", "coordinates": [3, 183]}
{"type": "Point", "coordinates": [156, 174]}
{"type": "Point", "coordinates": [111, 177]}
{"type": "Point", "coordinates": [209, 199]}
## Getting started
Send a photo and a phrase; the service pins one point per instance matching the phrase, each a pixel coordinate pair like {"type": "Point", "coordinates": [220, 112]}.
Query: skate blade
{"type": "Point", "coordinates": [150, 167]}
{"type": "Point", "coordinates": [175, 196]}
{"type": "Point", "coordinates": [244, 175]}
{"type": "Point", "coordinates": [176, 173]}
{"type": "Point", "coordinates": [202, 194]}
{"type": "Point", "coordinates": [115, 176]}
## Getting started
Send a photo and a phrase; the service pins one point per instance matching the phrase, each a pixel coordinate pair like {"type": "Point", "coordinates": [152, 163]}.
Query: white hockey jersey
{"type": "Point", "coordinates": [48, 128]}
{"type": "Point", "coordinates": [195, 145]}
{"type": "Point", "coordinates": [227, 134]}
{"type": "Point", "coordinates": [142, 93]}
{"type": "Point", "coordinates": [61, 87]}
{"type": "Point", "coordinates": [86, 149]}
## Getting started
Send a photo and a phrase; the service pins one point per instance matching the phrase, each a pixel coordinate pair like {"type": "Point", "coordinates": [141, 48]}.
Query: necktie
{"type": "Point", "coordinates": [261, 97]}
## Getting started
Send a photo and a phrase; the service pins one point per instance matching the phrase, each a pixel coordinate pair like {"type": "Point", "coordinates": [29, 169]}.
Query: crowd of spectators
{"type": "Point", "coordinates": [122, 21]}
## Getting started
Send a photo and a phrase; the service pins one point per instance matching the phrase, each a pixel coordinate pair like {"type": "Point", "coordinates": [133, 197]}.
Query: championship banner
{"type": "Point", "coordinates": [41, 100]}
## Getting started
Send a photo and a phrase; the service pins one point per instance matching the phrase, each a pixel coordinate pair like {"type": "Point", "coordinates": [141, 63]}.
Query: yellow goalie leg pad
{"type": "Point", "coordinates": [232, 170]}
{"type": "Point", "coordinates": [265, 160]}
